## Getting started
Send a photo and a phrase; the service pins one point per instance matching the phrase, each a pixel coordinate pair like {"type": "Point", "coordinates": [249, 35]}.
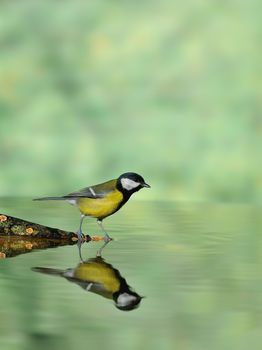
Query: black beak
{"type": "Point", "coordinates": [145, 185]}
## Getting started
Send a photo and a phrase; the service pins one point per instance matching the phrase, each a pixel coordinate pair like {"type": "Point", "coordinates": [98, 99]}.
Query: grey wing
{"type": "Point", "coordinates": [90, 286]}
{"type": "Point", "coordinates": [87, 285]}
{"type": "Point", "coordinates": [87, 192]}
{"type": "Point", "coordinates": [96, 191]}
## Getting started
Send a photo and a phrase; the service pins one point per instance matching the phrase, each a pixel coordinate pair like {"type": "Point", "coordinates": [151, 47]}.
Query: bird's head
{"type": "Point", "coordinates": [131, 182]}
{"type": "Point", "coordinates": [127, 301]}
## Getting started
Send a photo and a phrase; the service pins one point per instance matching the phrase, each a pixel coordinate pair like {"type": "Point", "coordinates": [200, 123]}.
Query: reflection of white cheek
{"type": "Point", "coordinates": [125, 299]}
{"type": "Point", "coordinates": [129, 184]}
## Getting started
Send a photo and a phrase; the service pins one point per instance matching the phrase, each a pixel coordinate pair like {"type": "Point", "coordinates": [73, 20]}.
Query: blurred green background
{"type": "Point", "coordinates": [170, 89]}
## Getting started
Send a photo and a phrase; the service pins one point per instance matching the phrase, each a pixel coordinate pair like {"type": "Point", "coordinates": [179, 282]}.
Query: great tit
{"type": "Point", "coordinates": [100, 201]}
{"type": "Point", "coordinates": [97, 276]}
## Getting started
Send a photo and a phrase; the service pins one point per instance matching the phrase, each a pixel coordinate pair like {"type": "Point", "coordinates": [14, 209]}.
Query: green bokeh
{"type": "Point", "coordinates": [170, 89]}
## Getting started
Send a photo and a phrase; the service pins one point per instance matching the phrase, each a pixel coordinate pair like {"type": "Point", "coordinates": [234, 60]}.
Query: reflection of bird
{"type": "Point", "coordinates": [100, 201]}
{"type": "Point", "coordinates": [97, 276]}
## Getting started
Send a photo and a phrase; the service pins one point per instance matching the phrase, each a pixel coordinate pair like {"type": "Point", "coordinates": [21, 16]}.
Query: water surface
{"type": "Point", "coordinates": [198, 266]}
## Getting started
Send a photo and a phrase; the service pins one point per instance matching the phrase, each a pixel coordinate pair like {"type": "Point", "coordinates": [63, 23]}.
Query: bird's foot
{"type": "Point", "coordinates": [107, 239]}
{"type": "Point", "coordinates": [81, 237]}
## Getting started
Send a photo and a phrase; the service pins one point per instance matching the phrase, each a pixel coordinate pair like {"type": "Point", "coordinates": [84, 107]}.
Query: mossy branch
{"type": "Point", "coordinates": [19, 236]}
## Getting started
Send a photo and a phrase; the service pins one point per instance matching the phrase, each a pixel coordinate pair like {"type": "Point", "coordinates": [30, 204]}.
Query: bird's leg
{"type": "Point", "coordinates": [79, 232]}
{"type": "Point", "coordinates": [106, 235]}
{"type": "Point", "coordinates": [80, 235]}
{"type": "Point", "coordinates": [107, 238]}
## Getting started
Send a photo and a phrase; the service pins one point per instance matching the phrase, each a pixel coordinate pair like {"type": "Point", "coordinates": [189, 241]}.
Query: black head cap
{"type": "Point", "coordinates": [127, 301]}
{"type": "Point", "coordinates": [131, 182]}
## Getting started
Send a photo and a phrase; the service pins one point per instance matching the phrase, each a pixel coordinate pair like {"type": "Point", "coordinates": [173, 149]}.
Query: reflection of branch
{"type": "Point", "coordinates": [18, 236]}
{"type": "Point", "coordinates": [15, 245]}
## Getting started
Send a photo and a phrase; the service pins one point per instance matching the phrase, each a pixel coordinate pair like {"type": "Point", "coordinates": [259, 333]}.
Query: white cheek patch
{"type": "Point", "coordinates": [125, 299]}
{"type": "Point", "coordinates": [129, 184]}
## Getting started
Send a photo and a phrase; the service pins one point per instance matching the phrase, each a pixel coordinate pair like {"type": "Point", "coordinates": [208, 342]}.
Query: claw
{"type": "Point", "coordinates": [107, 239]}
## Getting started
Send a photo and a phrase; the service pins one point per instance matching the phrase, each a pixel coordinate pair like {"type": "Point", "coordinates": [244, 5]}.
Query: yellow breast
{"type": "Point", "coordinates": [98, 273]}
{"type": "Point", "coordinates": [101, 207]}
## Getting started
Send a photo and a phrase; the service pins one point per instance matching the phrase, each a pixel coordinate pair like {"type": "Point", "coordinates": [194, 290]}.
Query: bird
{"type": "Point", "coordinates": [97, 276]}
{"type": "Point", "coordinates": [102, 200]}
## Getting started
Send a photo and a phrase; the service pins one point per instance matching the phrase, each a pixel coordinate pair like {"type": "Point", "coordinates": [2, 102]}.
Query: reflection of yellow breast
{"type": "Point", "coordinates": [101, 207]}
{"type": "Point", "coordinates": [98, 273]}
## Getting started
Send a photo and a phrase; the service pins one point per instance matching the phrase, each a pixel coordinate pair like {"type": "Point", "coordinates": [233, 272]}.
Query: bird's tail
{"type": "Point", "coordinates": [48, 271]}
{"type": "Point", "coordinates": [49, 199]}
